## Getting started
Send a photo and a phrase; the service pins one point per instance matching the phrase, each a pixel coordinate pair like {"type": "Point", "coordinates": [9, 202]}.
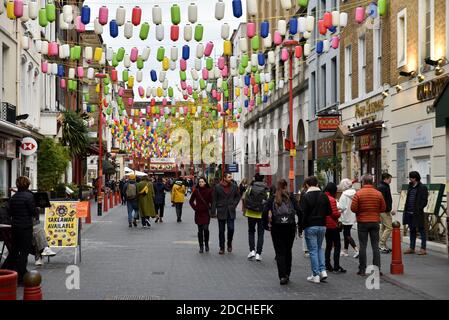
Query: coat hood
{"type": "Point", "coordinates": [350, 193]}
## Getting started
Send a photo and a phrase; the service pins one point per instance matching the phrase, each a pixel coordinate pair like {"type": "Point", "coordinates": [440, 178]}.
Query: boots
{"type": "Point", "coordinates": [229, 246]}
{"type": "Point", "coordinates": [200, 240]}
{"type": "Point", "coordinates": [206, 240]}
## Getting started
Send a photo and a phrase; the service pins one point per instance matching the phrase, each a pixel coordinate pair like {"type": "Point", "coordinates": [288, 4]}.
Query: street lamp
{"type": "Point", "coordinates": [100, 76]}
{"type": "Point", "coordinates": [290, 45]}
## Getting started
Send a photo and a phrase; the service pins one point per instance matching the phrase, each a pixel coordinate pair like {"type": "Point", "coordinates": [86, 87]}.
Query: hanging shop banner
{"type": "Point", "coordinates": [366, 142]}
{"type": "Point", "coordinates": [328, 124]}
{"type": "Point", "coordinates": [325, 148]}
{"type": "Point", "coordinates": [28, 146]}
{"type": "Point", "coordinates": [61, 224]}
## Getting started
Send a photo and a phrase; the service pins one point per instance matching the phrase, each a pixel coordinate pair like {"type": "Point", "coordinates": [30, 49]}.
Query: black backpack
{"type": "Point", "coordinates": [256, 197]}
{"type": "Point", "coordinates": [283, 214]}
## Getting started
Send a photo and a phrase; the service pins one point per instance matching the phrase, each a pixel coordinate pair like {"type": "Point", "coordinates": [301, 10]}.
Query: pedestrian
{"type": "Point", "coordinates": [367, 204]}
{"type": "Point", "coordinates": [178, 194]}
{"type": "Point", "coordinates": [159, 199]}
{"type": "Point", "coordinates": [130, 190]}
{"type": "Point", "coordinates": [242, 189]}
{"type": "Point", "coordinates": [333, 231]}
{"type": "Point", "coordinates": [226, 197]}
{"type": "Point", "coordinates": [315, 207]}
{"type": "Point", "coordinates": [414, 215]}
{"type": "Point", "coordinates": [386, 218]}
{"type": "Point", "coordinates": [122, 192]}
{"type": "Point", "coordinates": [303, 238]}
{"type": "Point", "coordinates": [201, 202]}
{"type": "Point", "coordinates": [255, 197]}
{"type": "Point", "coordinates": [145, 198]}
{"type": "Point", "coordinates": [22, 210]}
{"type": "Point", "coordinates": [347, 216]}
{"type": "Point", "coordinates": [282, 224]}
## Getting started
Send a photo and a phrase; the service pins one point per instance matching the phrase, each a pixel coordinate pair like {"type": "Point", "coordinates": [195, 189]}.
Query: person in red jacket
{"type": "Point", "coordinates": [332, 231]}
{"type": "Point", "coordinates": [368, 204]}
{"type": "Point", "coordinates": [201, 201]}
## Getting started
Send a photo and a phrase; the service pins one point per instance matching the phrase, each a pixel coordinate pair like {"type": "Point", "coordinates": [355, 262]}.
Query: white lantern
{"type": "Point", "coordinates": [281, 84]}
{"type": "Point", "coordinates": [199, 50]}
{"type": "Point", "coordinates": [198, 64]}
{"type": "Point", "coordinates": [302, 24]}
{"type": "Point", "coordinates": [44, 47]}
{"type": "Point", "coordinates": [209, 87]}
{"type": "Point", "coordinates": [127, 61]}
{"type": "Point", "coordinates": [243, 44]}
{"type": "Point", "coordinates": [219, 82]}
{"type": "Point", "coordinates": [343, 19]}
{"type": "Point", "coordinates": [33, 9]}
{"type": "Point", "coordinates": [61, 53]}
{"type": "Point", "coordinates": [195, 85]}
{"type": "Point", "coordinates": [254, 60]}
{"type": "Point", "coordinates": [162, 75]}
{"type": "Point", "coordinates": [336, 18]}
{"type": "Point", "coordinates": [102, 61]}
{"type": "Point", "coordinates": [148, 92]}
{"type": "Point", "coordinates": [63, 25]}
{"type": "Point", "coordinates": [157, 15]}
{"type": "Point", "coordinates": [66, 50]}
{"type": "Point", "coordinates": [54, 68]}
{"type": "Point", "coordinates": [71, 73]}
{"type": "Point", "coordinates": [67, 13]}
{"type": "Point", "coordinates": [88, 53]}
{"type": "Point", "coordinates": [120, 16]}
{"type": "Point", "coordinates": [271, 57]}
{"type": "Point", "coordinates": [109, 54]}
{"type": "Point", "coordinates": [248, 69]}
{"type": "Point", "coordinates": [160, 32]}
{"type": "Point", "coordinates": [139, 76]}
{"type": "Point", "coordinates": [268, 41]}
{"type": "Point", "coordinates": [219, 10]}
{"type": "Point", "coordinates": [217, 73]}
{"type": "Point", "coordinates": [241, 82]}
{"type": "Point", "coordinates": [310, 23]}
{"type": "Point", "coordinates": [307, 35]}
{"type": "Point", "coordinates": [282, 27]}
{"type": "Point", "coordinates": [90, 73]}
{"type": "Point", "coordinates": [307, 49]}
{"type": "Point", "coordinates": [165, 86]}
{"type": "Point", "coordinates": [174, 53]}
{"type": "Point", "coordinates": [38, 45]}
{"type": "Point", "coordinates": [26, 14]}
{"type": "Point", "coordinates": [204, 95]}
{"type": "Point", "coordinates": [262, 77]}
{"type": "Point", "coordinates": [233, 62]}
{"type": "Point", "coordinates": [154, 92]}
{"type": "Point", "coordinates": [172, 65]}
{"type": "Point", "coordinates": [267, 77]}
{"type": "Point", "coordinates": [225, 31]}
{"type": "Point", "coordinates": [98, 27]}
{"type": "Point", "coordinates": [25, 42]}
{"type": "Point", "coordinates": [286, 4]}
{"type": "Point", "coordinates": [188, 32]}
{"type": "Point", "coordinates": [193, 13]}
{"type": "Point", "coordinates": [251, 6]}
{"type": "Point", "coordinates": [146, 53]}
{"type": "Point", "coordinates": [326, 45]}
{"type": "Point", "coordinates": [128, 31]}
{"type": "Point", "coordinates": [194, 74]}
{"type": "Point", "coordinates": [234, 72]}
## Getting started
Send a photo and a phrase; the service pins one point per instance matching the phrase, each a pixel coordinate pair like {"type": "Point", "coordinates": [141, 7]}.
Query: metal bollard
{"type": "Point", "coordinates": [396, 266]}
{"type": "Point", "coordinates": [105, 201]}
{"type": "Point", "coordinates": [32, 282]}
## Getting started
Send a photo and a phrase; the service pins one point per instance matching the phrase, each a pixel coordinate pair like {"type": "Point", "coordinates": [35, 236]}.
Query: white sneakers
{"type": "Point", "coordinates": [48, 252]}
{"type": "Point", "coordinates": [344, 253]}
{"type": "Point", "coordinates": [39, 262]}
{"type": "Point", "coordinates": [356, 254]}
{"type": "Point", "coordinates": [258, 257]}
{"type": "Point", "coordinates": [251, 255]}
{"type": "Point", "coordinates": [323, 275]}
{"type": "Point", "coordinates": [314, 279]}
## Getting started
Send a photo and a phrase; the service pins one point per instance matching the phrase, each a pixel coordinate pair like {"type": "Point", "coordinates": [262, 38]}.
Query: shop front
{"type": "Point", "coordinates": [7, 155]}
{"type": "Point", "coordinates": [368, 146]}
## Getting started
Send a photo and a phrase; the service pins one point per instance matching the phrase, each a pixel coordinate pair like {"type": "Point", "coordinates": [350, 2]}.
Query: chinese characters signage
{"type": "Point", "coordinates": [366, 142]}
{"type": "Point", "coordinates": [325, 148]}
{"type": "Point", "coordinates": [328, 124]}
{"type": "Point", "coordinates": [61, 224]}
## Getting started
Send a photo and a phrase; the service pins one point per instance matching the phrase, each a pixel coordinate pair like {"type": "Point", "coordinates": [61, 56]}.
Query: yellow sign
{"type": "Point", "coordinates": [61, 224]}
{"type": "Point", "coordinates": [369, 109]}
{"type": "Point", "coordinates": [292, 152]}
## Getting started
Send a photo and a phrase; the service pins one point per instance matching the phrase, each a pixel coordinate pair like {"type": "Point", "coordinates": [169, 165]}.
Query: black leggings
{"type": "Point", "coordinates": [333, 240]}
{"type": "Point", "coordinates": [347, 237]}
{"type": "Point", "coordinates": [203, 235]}
{"type": "Point", "coordinates": [159, 207]}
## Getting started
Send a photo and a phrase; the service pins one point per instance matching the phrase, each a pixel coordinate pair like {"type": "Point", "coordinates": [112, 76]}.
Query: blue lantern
{"type": "Point", "coordinates": [225, 106]}
{"type": "Point", "coordinates": [372, 10]}
{"type": "Point", "coordinates": [186, 52]}
{"type": "Point", "coordinates": [261, 58]}
{"type": "Point", "coordinates": [88, 108]}
{"type": "Point", "coordinates": [293, 26]}
{"type": "Point", "coordinates": [247, 80]}
{"type": "Point", "coordinates": [237, 8]}
{"type": "Point", "coordinates": [85, 15]}
{"type": "Point", "coordinates": [320, 47]}
{"type": "Point", "coordinates": [264, 29]}
{"type": "Point", "coordinates": [265, 99]}
{"type": "Point", "coordinates": [333, 29]}
{"type": "Point", "coordinates": [246, 104]}
{"type": "Point", "coordinates": [61, 70]}
{"type": "Point", "coordinates": [113, 29]}
{"type": "Point", "coordinates": [153, 75]}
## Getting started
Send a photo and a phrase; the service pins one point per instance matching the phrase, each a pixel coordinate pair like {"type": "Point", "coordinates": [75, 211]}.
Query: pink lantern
{"type": "Point", "coordinates": [186, 109]}
{"type": "Point", "coordinates": [251, 102]}
{"type": "Point", "coordinates": [225, 71]}
{"type": "Point", "coordinates": [209, 48]}
{"type": "Point", "coordinates": [359, 14]}
{"type": "Point", "coordinates": [205, 74]}
{"type": "Point", "coordinates": [250, 29]}
{"type": "Point", "coordinates": [62, 84]}
{"type": "Point", "coordinates": [245, 91]}
{"type": "Point", "coordinates": [218, 96]}
{"type": "Point", "coordinates": [121, 91]}
{"type": "Point", "coordinates": [230, 105]}
{"type": "Point", "coordinates": [164, 102]}
{"type": "Point", "coordinates": [153, 102]}
{"type": "Point", "coordinates": [103, 15]}
{"type": "Point", "coordinates": [134, 54]}
{"type": "Point", "coordinates": [214, 94]}
{"type": "Point", "coordinates": [183, 64]}
{"type": "Point", "coordinates": [141, 91]}
{"type": "Point", "coordinates": [277, 38]}
{"type": "Point", "coordinates": [327, 20]}
{"type": "Point", "coordinates": [53, 49]}
{"type": "Point", "coordinates": [255, 89]}
{"type": "Point", "coordinates": [335, 42]}
{"type": "Point", "coordinates": [18, 8]}
{"type": "Point", "coordinates": [80, 27]}
{"type": "Point", "coordinates": [130, 101]}
{"type": "Point", "coordinates": [161, 111]}
{"type": "Point", "coordinates": [148, 110]}
{"type": "Point", "coordinates": [189, 90]}
{"type": "Point", "coordinates": [183, 85]}
{"type": "Point", "coordinates": [80, 72]}
{"type": "Point", "coordinates": [44, 66]}
{"type": "Point", "coordinates": [284, 54]}
{"type": "Point", "coordinates": [221, 63]}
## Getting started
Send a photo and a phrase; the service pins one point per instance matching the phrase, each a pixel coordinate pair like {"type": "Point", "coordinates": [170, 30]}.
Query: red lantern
{"type": "Point", "coordinates": [153, 102]}
{"type": "Point", "coordinates": [137, 15]}
{"type": "Point", "coordinates": [298, 52]}
{"type": "Point", "coordinates": [114, 76]}
{"type": "Point", "coordinates": [253, 81]}
{"type": "Point", "coordinates": [219, 96]}
{"type": "Point", "coordinates": [174, 33]}
{"type": "Point", "coordinates": [328, 20]}
{"type": "Point", "coordinates": [256, 89]}
{"type": "Point", "coordinates": [321, 27]}
{"type": "Point", "coordinates": [185, 97]}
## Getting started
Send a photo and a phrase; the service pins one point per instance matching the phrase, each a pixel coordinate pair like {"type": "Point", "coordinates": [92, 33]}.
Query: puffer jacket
{"type": "Point", "coordinates": [332, 220]}
{"type": "Point", "coordinates": [344, 204]}
{"type": "Point", "coordinates": [178, 192]}
{"type": "Point", "coordinates": [22, 209]}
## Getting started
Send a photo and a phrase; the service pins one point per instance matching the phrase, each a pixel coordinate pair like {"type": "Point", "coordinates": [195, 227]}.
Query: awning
{"type": "Point", "coordinates": [13, 129]}
{"type": "Point", "coordinates": [341, 133]}
{"type": "Point", "coordinates": [129, 171]}
{"type": "Point", "coordinates": [441, 106]}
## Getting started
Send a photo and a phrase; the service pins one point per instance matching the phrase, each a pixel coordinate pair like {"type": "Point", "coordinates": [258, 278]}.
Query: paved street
{"type": "Point", "coordinates": [164, 263]}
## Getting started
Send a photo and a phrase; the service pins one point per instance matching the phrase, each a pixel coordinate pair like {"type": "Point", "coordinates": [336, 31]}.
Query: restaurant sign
{"type": "Point", "coordinates": [328, 124]}
{"type": "Point", "coordinates": [369, 110]}
{"type": "Point", "coordinates": [431, 89]}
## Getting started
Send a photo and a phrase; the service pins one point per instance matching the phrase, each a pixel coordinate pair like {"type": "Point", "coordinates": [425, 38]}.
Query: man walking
{"type": "Point", "coordinates": [130, 191]}
{"type": "Point", "coordinates": [367, 204]}
{"type": "Point", "coordinates": [414, 215]}
{"type": "Point", "coordinates": [386, 217]}
{"type": "Point", "coordinates": [225, 200]}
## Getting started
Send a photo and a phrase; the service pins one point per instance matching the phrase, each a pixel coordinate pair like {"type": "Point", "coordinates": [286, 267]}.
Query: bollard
{"type": "Point", "coordinates": [111, 201]}
{"type": "Point", "coordinates": [396, 266]}
{"type": "Point", "coordinates": [89, 217]}
{"type": "Point", "coordinates": [8, 284]}
{"type": "Point", "coordinates": [118, 200]}
{"type": "Point", "coordinates": [105, 201]}
{"type": "Point", "coordinates": [32, 286]}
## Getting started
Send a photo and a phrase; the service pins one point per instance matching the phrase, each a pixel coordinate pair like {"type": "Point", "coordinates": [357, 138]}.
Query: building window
{"type": "Point", "coordinates": [323, 89]}
{"type": "Point", "coordinates": [402, 38]}
{"type": "Point", "coordinates": [362, 66]}
{"type": "Point", "coordinates": [377, 58]}
{"type": "Point", "coordinates": [314, 32]}
{"type": "Point", "coordinates": [334, 81]}
{"type": "Point", "coordinates": [426, 29]}
{"type": "Point", "coordinates": [348, 73]}
{"type": "Point", "coordinates": [313, 94]}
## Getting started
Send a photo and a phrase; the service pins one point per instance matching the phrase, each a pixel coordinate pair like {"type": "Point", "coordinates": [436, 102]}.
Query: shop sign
{"type": "Point", "coordinates": [369, 110]}
{"type": "Point", "coordinates": [431, 89]}
{"type": "Point", "coordinates": [421, 136]}
{"type": "Point", "coordinates": [328, 124]}
{"type": "Point", "coordinates": [325, 148]}
{"type": "Point", "coordinates": [61, 224]}
{"type": "Point", "coordinates": [366, 142]}
{"type": "Point", "coordinates": [28, 146]}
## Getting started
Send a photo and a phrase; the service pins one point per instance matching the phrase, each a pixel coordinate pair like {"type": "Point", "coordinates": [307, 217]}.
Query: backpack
{"type": "Point", "coordinates": [283, 214]}
{"type": "Point", "coordinates": [131, 191]}
{"type": "Point", "coordinates": [256, 197]}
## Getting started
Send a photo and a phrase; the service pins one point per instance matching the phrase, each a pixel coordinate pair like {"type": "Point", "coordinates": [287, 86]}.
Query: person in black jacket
{"type": "Point", "coordinates": [159, 199]}
{"type": "Point", "coordinates": [386, 217]}
{"type": "Point", "coordinates": [315, 207]}
{"type": "Point", "coordinates": [22, 210]}
{"type": "Point", "coordinates": [414, 215]}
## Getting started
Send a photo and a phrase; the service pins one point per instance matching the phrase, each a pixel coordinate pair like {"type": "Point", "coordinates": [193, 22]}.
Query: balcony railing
{"type": "Point", "coordinates": [8, 112]}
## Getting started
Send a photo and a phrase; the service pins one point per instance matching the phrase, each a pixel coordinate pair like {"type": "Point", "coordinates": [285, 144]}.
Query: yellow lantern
{"type": "Point", "coordinates": [266, 87]}
{"type": "Point", "coordinates": [237, 91]}
{"type": "Point", "coordinates": [10, 9]}
{"type": "Point", "coordinates": [227, 48]}
{"type": "Point", "coordinates": [166, 64]}
{"type": "Point", "coordinates": [98, 54]}
{"type": "Point", "coordinates": [131, 81]}
{"type": "Point", "coordinates": [160, 92]}
{"type": "Point", "coordinates": [136, 112]}
{"type": "Point", "coordinates": [97, 88]}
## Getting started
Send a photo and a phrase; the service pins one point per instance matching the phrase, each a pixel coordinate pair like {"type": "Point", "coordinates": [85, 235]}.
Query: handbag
{"type": "Point", "coordinates": [204, 201]}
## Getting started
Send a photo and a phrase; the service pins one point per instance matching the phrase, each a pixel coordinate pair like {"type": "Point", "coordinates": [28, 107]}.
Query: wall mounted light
{"type": "Point", "coordinates": [398, 88]}
{"type": "Point", "coordinates": [385, 93]}
{"type": "Point", "coordinates": [431, 62]}
{"type": "Point", "coordinates": [439, 71]}
{"type": "Point", "coordinates": [421, 77]}
{"type": "Point", "coordinates": [410, 74]}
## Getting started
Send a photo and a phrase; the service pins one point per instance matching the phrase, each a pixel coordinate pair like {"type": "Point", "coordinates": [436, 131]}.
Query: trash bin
{"type": "Point", "coordinates": [8, 285]}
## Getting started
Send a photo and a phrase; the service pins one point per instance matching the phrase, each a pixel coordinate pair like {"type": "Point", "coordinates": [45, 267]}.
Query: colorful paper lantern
{"type": "Point", "coordinates": [282, 27]}
{"type": "Point", "coordinates": [85, 13]}
{"type": "Point", "coordinates": [157, 15]}
{"type": "Point", "coordinates": [43, 22]}
{"type": "Point", "coordinates": [174, 33]}
{"type": "Point", "coordinates": [33, 9]}
{"type": "Point", "coordinates": [136, 15]}
{"type": "Point", "coordinates": [251, 7]}
{"type": "Point", "coordinates": [250, 29]}
{"type": "Point", "coordinates": [192, 13]}
{"type": "Point", "coordinates": [219, 10]}
{"type": "Point", "coordinates": [359, 14]}
{"type": "Point", "coordinates": [209, 48]}
{"type": "Point", "coordinates": [199, 31]}
{"type": "Point", "coordinates": [120, 16]}
{"type": "Point", "coordinates": [175, 14]}
{"type": "Point", "coordinates": [50, 9]}
{"type": "Point", "coordinates": [18, 8]}
{"type": "Point", "coordinates": [160, 32]}
{"type": "Point", "coordinates": [293, 26]}
{"type": "Point", "coordinates": [382, 7]}
{"type": "Point", "coordinates": [103, 15]}
{"type": "Point", "coordinates": [237, 9]}
{"type": "Point", "coordinates": [144, 31]}
{"type": "Point", "coordinates": [128, 30]}
{"type": "Point", "coordinates": [113, 28]}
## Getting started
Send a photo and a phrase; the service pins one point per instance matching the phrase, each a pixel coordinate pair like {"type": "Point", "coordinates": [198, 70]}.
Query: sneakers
{"type": "Point", "coordinates": [422, 252]}
{"type": "Point", "coordinates": [251, 255]}
{"type": "Point", "coordinates": [306, 254]}
{"type": "Point", "coordinates": [258, 257]}
{"type": "Point", "coordinates": [344, 253]}
{"type": "Point", "coordinates": [409, 251]}
{"type": "Point", "coordinates": [221, 251]}
{"type": "Point", "coordinates": [314, 279]}
{"type": "Point", "coordinates": [135, 223]}
{"type": "Point", "coordinates": [384, 250]}
{"type": "Point", "coordinates": [284, 281]}
{"type": "Point", "coordinates": [48, 252]}
{"type": "Point", "coordinates": [39, 262]}
{"type": "Point", "coordinates": [339, 270]}
{"type": "Point", "coordinates": [356, 254]}
{"type": "Point", "coordinates": [323, 275]}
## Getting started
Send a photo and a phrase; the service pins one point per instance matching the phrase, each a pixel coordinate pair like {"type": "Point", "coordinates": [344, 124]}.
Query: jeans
{"type": "Point", "coordinates": [159, 207]}
{"type": "Point", "coordinates": [283, 238]}
{"type": "Point", "coordinates": [422, 233]}
{"type": "Point", "coordinates": [333, 241]}
{"type": "Point", "coordinates": [314, 239]}
{"type": "Point", "coordinates": [203, 235]}
{"type": "Point", "coordinates": [370, 229]}
{"type": "Point", "coordinates": [385, 228]}
{"type": "Point", "coordinates": [178, 210]}
{"type": "Point", "coordinates": [252, 222]}
{"type": "Point", "coordinates": [347, 237]}
{"type": "Point", "coordinates": [221, 231]}
{"type": "Point", "coordinates": [132, 205]}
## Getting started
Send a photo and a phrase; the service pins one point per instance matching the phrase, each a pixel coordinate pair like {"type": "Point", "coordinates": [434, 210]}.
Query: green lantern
{"type": "Point", "coordinates": [240, 110]}
{"type": "Point", "coordinates": [170, 92]}
{"type": "Point", "coordinates": [125, 75]}
{"type": "Point", "coordinates": [202, 84]}
{"type": "Point", "coordinates": [382, 7]}
{"type": "Point", "coordinates": [254, 69]}
{"type": "Point", "coordinates": [144, 30]}
{"type": "Point", "coordinates": [255, 43]}
{"type": "Point", "coordinates": [199, 31]}
{"type": "Point", "coordinates": [160, 54]}
{"type": "Point", "coordinates": [109, 111]}
{"type": "Point", "coordinates": [241, 70]}
{"type": "Point", "coordinates": [50, 10]}
{"type": "Point", "coordinates": [257, 78]}
{"type": "Point", "coordinates": [258, 99]}
{"type": "Point", "coordinates": [271, 85]}
{"type": "Point", "coordinates": [120, 54]}
{"type": "Point", "coordinates": [93, 108]}
{"type": "Point", "coordinates": [226, 94]}
{"type": "Point", "coordinates": [209, 64]}
{"type": "Point", "coordinates": [183, 75]}
{"type": "Point", "coordinates": [207, 109]}
{"type": "Point", "coordinates": [114, 60]}
{"type": "Point", "coordinates": [245, 60]}
{"type": "Point", "coordinates": [107, 80]}
{"type": "Point", "coordinates": [175, 14]}
{"type": "Point", "coordinates": [224, 86]}
{"type": "Point", "coordinates": [303, 3]}
{"type": "Point", "coordinates": [195, 95]}
{"type": "Point", "coordinates": [173, 110]}
{"type": "Point", "coordinates": [140, 63]}
{"type": "Point", "coordinates": [43, 21]}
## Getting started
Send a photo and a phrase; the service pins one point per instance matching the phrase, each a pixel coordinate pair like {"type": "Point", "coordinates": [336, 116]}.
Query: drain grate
{"type": "Point", "coordinates": [158, 273]}
{"type": "Point", "coordinates": [131, 297]}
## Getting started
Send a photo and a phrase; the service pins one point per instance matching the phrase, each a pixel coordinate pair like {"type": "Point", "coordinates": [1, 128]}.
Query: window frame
{"type": "Point", "coordinates": [402, 15]}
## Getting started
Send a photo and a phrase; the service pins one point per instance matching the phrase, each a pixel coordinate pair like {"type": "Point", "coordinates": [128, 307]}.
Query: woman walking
{"type": "Point", "coordinates": [347, 216]}
{"type": "Point", "coordinates": [332, 231]}
{"type": "Point", "coordinates": [242, 189]}
{"type": "Point", "coordinates": [201, 201]}
{"type": "Point", "coordinates": [178, 194]}
{"type": "Point", "coordinates": [281, 222]}
{"type": "Point", "coordinates": [159, 199]}
{"type": "Point", "coordinates": [145, 199]}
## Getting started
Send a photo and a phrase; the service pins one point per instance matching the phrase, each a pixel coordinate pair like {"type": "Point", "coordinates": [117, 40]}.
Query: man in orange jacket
{"type": "Point", "coordinates": [367, 204]}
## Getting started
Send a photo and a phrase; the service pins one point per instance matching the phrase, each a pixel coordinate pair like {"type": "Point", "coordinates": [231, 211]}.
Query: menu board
{"type": "Point", "coordinates": [433, 201]}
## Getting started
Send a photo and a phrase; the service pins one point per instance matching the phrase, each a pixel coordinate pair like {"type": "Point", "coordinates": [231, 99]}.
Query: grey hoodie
{"type": "Point", "coordinates": [344, 204]}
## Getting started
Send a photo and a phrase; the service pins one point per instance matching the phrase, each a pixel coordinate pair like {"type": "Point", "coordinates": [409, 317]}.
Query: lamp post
{"type": "Point", "coordinates": [290, 45]}
{"type": "Point", "coordinates": [100, 76]}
